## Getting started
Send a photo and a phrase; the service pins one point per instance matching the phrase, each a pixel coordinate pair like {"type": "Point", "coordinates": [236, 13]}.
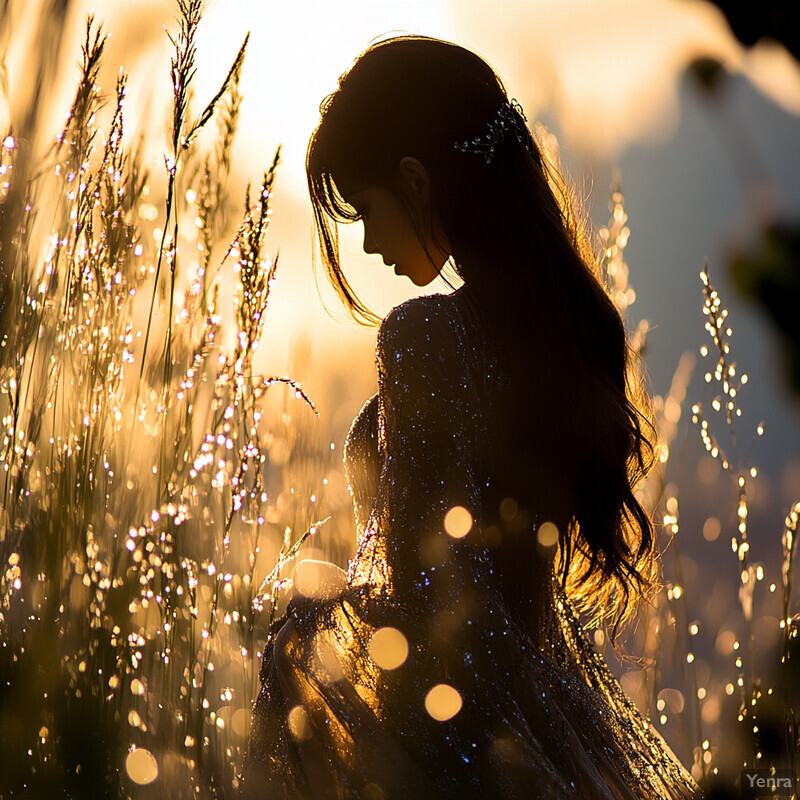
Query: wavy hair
{"type": "Point", "coordinates": [576, 413]}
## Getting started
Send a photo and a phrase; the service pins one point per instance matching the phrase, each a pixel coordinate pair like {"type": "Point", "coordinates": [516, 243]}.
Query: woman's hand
{"type": "Point", "coordinates": [318, 579]}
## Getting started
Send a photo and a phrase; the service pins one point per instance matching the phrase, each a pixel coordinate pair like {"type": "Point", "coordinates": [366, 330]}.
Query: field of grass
{"type": "Point", "coordinates": [155, 485]}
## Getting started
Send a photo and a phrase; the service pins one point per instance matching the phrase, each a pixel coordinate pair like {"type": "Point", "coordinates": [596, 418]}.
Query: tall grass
{"type": "Point", "coordinates": [763, 730]}
{"type": "Point", "coordinates": [139, 509]}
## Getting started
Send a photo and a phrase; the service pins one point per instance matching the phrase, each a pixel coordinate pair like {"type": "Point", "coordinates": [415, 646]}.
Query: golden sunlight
{"type": "Point", "coordinates": [188, 497]}
{"type": "Point", "coordinates": [319, 579]}
{"type": "Point", "coordinates": [560, 58]}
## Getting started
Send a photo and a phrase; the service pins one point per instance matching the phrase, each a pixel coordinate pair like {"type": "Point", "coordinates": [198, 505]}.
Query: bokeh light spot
{"type": "Point", "coordinates": [711, 709]}
{"type": "Point", "coordinates": [508, 509]}
{"type": "Point", "coordinates": [443, 702]}
{"type": "Point", "coordinates": [388, 648]}
{"type": "Point", "coordinates": [673, 700]}
{"type": "Point", "coordinates": [141, 766]}
{"type": "Point", "coordinates": [492, 537]}
{"type": "Point", "coordinates": [458, 522]}
{"type": "Point", "coordinates": [239, 722]}
{"type": "Point", "coordinates": [373, 791]}
{"type": "Point", "coordinates": [318, 579]}
{"type": "Point", "coordinates": [298, 723]}
{"type": "Point", "coordinates": [711, 529]}
{"type": "Point", "coordinates": [708, 470]}
{"type": "Point", "coordinates": [547, 534]}
{"type": "Point", "coordinates": [725, 643]}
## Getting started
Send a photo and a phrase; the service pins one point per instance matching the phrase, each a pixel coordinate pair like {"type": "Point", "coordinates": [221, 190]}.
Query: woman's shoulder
{"type": "Point", "coordinates": [430, 335]}
{"type": "Point", "coordinates": [421, 318]}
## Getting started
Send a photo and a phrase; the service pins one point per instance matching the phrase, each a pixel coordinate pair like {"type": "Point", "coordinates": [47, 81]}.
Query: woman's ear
{"type": "Point", "coordinates": [415, 178]}
{"type": "Point", "coordinates": [416, 182]}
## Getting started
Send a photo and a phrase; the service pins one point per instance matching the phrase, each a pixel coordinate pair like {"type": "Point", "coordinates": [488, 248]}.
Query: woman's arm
{"type": "Point", "coordinates": [426, 445]}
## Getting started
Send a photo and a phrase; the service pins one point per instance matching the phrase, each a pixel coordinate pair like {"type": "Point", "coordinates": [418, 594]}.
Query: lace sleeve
{"type": "Point", "coordinates": [427, 407]}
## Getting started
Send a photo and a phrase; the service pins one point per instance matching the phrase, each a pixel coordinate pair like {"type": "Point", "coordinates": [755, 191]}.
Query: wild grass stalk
{"type": "Point", "coordinates": [671, 611]}
{"type": "Point", "coordinates": [729, 380]}
{"type": "Point", "coordinates": [647, 657]}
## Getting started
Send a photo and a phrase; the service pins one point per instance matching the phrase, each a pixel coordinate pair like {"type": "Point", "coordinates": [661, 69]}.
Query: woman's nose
{"type": "Point", "coordinates": [369, 243]}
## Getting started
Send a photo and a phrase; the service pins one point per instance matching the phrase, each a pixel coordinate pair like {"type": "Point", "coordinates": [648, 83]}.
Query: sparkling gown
{"type": "Point", "coordinates": [529, 709]}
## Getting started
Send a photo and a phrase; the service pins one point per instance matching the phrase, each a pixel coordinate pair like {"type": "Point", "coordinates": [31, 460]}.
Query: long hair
{"type": "Point", "coordinates": [576, 416]}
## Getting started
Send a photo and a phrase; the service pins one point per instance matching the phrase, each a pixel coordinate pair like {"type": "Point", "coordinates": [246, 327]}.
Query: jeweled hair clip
{"type": "Point", "coordinates": [509, 117]}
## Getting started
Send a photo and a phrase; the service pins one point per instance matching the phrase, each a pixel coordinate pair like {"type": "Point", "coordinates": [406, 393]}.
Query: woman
{"type": "Point", "coordinates": [492, 475]}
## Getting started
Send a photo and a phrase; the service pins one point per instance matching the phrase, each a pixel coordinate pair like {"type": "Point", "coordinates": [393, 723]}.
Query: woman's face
{"type": "Point", "coordinates": [389, 232]}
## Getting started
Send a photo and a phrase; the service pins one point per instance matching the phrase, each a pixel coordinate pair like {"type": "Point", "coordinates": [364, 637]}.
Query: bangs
{"type": "Point", "coordinates": [330, 208]}
{"type": "Point", "coordinates": [320, 169]}
{"type": "Point", "coordinates": [327, 197]}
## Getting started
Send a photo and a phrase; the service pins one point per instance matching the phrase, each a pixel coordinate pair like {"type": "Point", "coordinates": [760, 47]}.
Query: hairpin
{"type": "Point", "coordinates": [509, 116]}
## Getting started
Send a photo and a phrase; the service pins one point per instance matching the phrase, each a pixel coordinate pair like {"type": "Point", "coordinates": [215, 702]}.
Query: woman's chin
{"type": "Point", "coordinates": [417, 277]}
{"type": "Point", "coordinates": [421, 280]}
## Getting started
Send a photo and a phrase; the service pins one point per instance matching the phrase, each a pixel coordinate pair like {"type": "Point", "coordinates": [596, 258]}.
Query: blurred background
{"type": "Point", "coordinates": [695, 112]}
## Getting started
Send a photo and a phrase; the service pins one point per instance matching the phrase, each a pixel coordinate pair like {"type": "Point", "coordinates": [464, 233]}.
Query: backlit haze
{"type": "Point", "coordinates": [608, 78]}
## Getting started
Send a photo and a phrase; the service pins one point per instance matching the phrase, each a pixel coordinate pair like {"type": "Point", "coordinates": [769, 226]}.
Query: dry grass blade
{"type": "Point", "coordinates": [182, 71]}
{"type": "Point", "coordinates": [273, 584]}
{"type": "Point", "coordinates": [85, 103]}
{"type": "Point", "coordinates": [789, 542]}
{"type": "Point", "coordinates": [265, 383]}
{"type": "Point", "coordinates": [183, 66]}
{"type": "Point", "coordinates": [231, 78]}
{"type": "Point", "coordinates": [288, 552]}
{"type": "Point", "coordinates": [255, 272]}
{"type": "Point", "coordinates": [730, 380]}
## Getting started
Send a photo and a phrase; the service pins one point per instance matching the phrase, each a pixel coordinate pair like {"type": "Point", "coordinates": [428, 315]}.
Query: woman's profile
{"type": "Point", "coordinates": [492, 475]}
